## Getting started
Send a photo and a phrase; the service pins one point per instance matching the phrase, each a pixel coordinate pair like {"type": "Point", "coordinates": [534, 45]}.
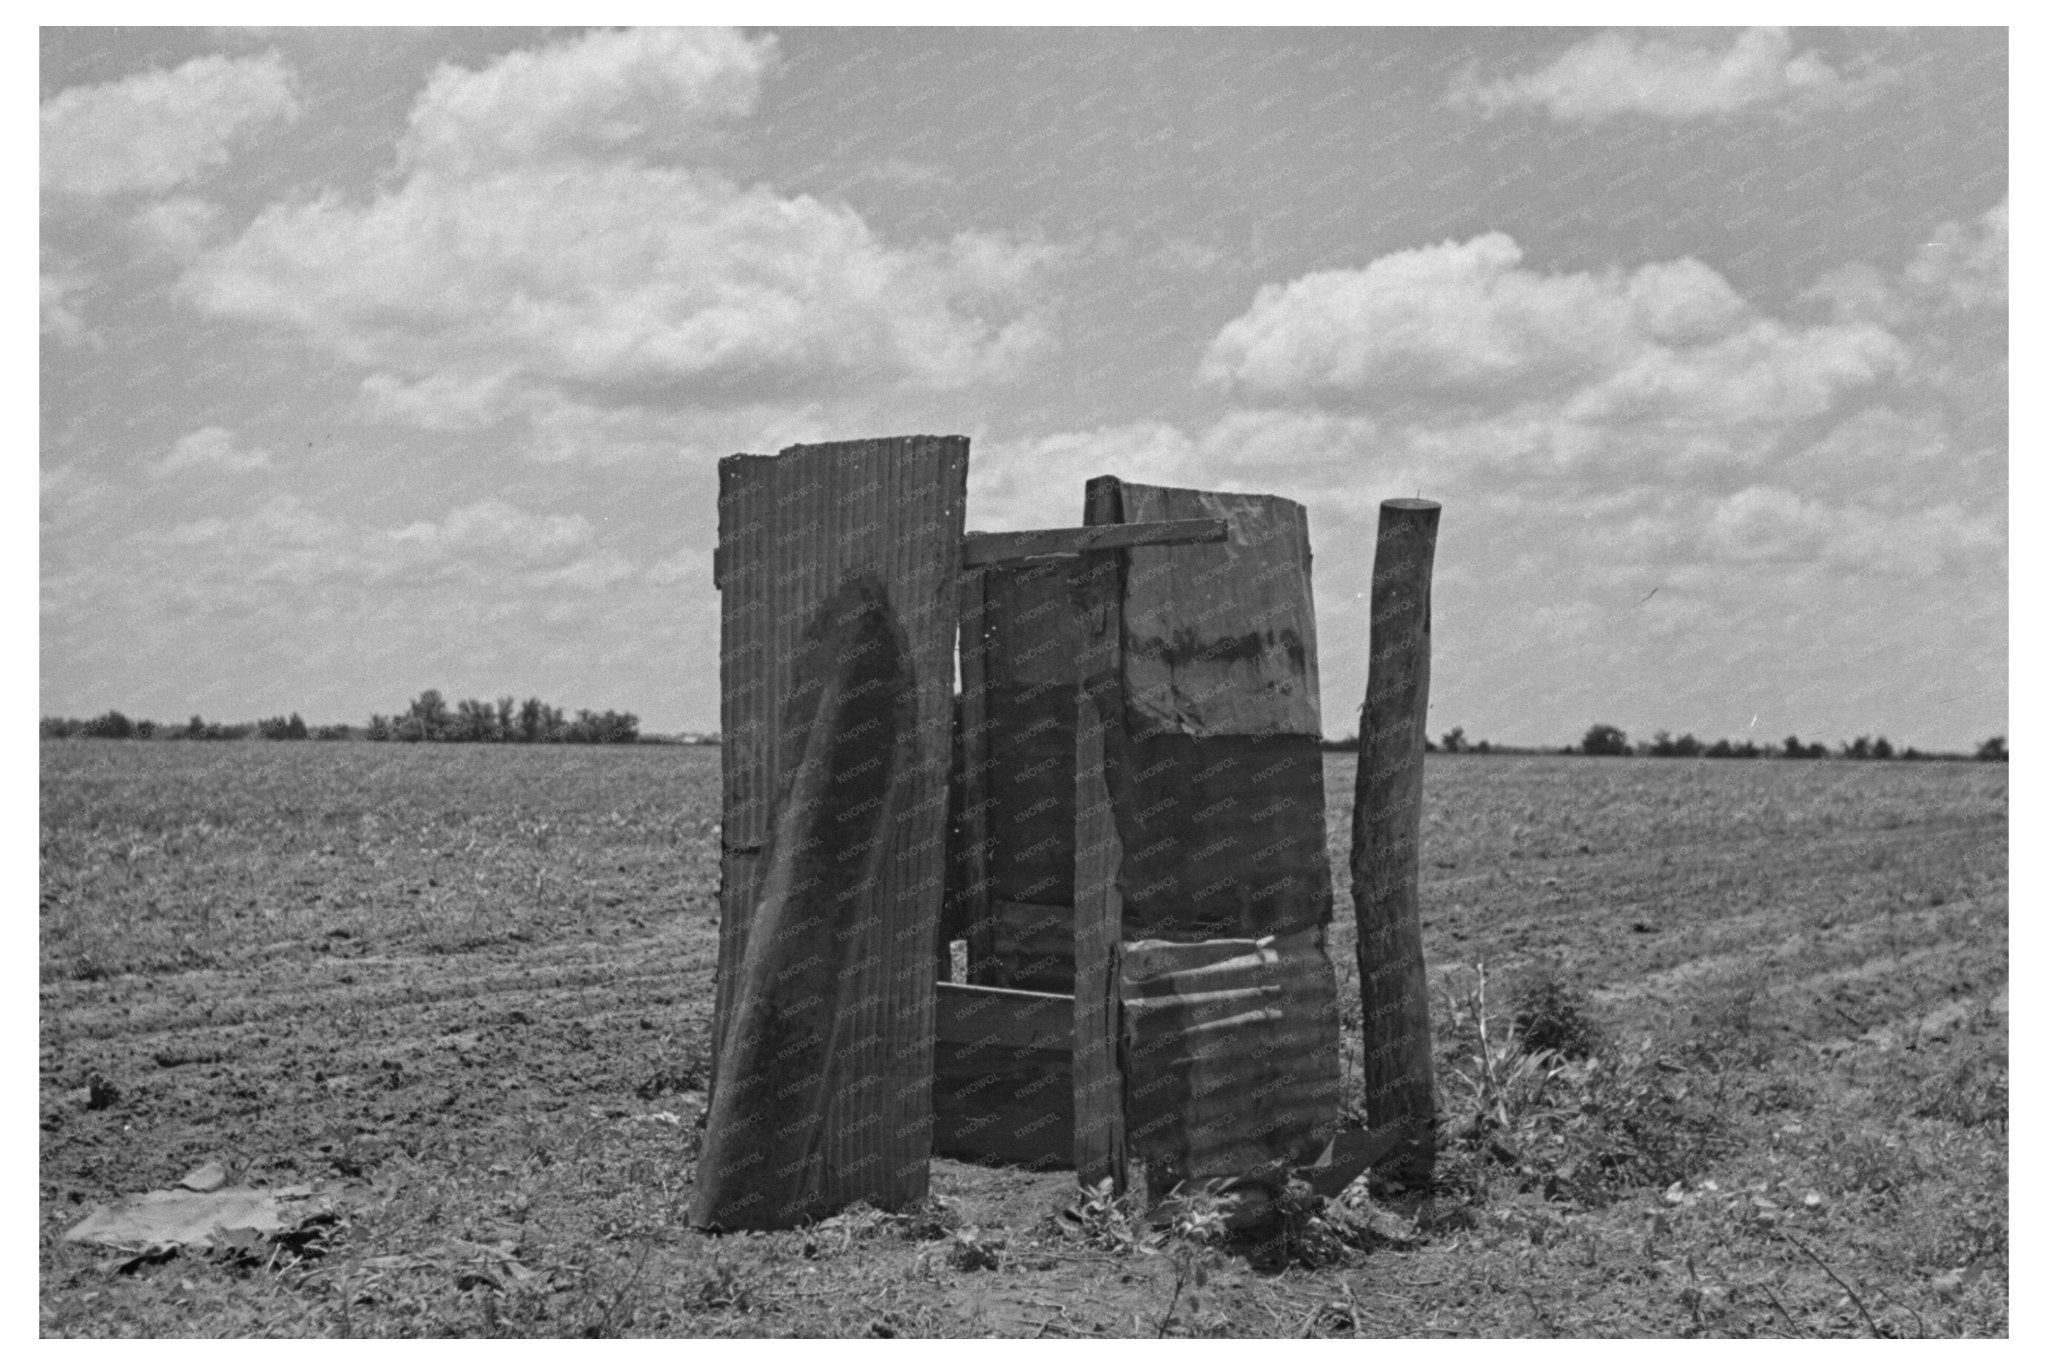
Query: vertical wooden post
{"type": "Point", "coordinates": [1098, 906]}
{"type": "Point", "coordinates": [973, 905]}
{"type": "Point", "coordinates": [1386, 828]}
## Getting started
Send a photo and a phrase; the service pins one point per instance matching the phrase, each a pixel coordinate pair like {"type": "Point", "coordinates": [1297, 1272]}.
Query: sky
{"type": "Point", "coordinates": [380, 360]}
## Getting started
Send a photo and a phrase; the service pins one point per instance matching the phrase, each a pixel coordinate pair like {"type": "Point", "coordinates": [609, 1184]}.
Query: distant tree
{"type": "Point", "coordinates": [532, 717]}
{"type": "Point", "coordinates": [1664, 746]}
{"type": "Point", "coordinates": [1484, 746]}
{"type": "Point", "coordinates": [1882, 748]}
{"type": "Point", "coordinates": [1856, 748]}
{"type": "Point", "coordinates": [331, 732]}
{"type": "Point", "coordinates": [1606, 741]}
{"type": "Point", "coordinates": [195, 728]}
{"type": "Point", "coordinates": [1794, 749]}
{"type": "Point", "coordinates": [380, 728]}
{"type": "Point", "coordinates": [113, 725]}
{"type": "Point", "coordinates": [506, 709]}
{"type": "Point", "coordinates": [145, 729]}
{"type": "Point", "coordinates": [295, 728]}
{"type": "Point", "coordinates": [475, 722]}
{"type": "Point", "coordinates": [1720, 748]}
{"type": "Point", "coordinates": [430, 709]}
{"type": "Point", "coordinates": [1454, 740]}
{"type": "Point", "coordinates": [1992, 750]}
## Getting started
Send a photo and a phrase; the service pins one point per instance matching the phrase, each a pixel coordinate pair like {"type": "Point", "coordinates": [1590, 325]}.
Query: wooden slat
{"type": "Point", "coordinates": [839, 565]}
{"type": "Point", "coordinates": [1003, 1086]}
{"type": "Point", "coordinates": [1098, 909]}
{"type": "Point", "coordinates": [994, 547]}
{"type": "Point", "coordinates": [1386, 830]}
{"type": "Point", "coordinates": [972, 894]}
{"type": "Point", "coordinates": [993, 1016]}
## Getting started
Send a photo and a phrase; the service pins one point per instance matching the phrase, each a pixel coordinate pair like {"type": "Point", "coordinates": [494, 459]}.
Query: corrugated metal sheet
{"type": "Point", "coordinates": [1229, 1048]}
{"type": "Point", "coordinates": [838, 565]}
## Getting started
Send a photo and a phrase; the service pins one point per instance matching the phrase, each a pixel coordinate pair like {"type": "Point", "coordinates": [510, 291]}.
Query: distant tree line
{"type": "Point", "coordinates": [1611, 741]}
{"type": "Point", "coordinates": [427, 718]}
{"type": "Point", "coordinates": [114, 725]}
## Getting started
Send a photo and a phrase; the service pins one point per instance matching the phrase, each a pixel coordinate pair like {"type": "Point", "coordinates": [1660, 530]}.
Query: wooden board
{"type": "Point", "coordinates": [1098, 906]}
{"type": "Point", "coordinates": [1032, 679]}
{"type": "Point", "coordinates": [1002, 1085]}
{"type": "Point", "coordinates": [1210, 760]}
{"type": "Point", "coordinates": [1220, 639]}
{"type": "Point", "coordinates": [995, 547]}
{"type": "Point", "coordinates": [839, 565]}
{"type": "Point", "coordinates": [1386, 833]}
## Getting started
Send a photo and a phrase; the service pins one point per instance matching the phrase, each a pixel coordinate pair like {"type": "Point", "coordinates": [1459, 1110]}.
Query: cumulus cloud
{"type": "Point", "coordinates": [61, 285]}
{"type": "Point", "coordinates": [157, 130]}
{"type": "Point", "coordinates": [534, 245]}
{"type": "Point", "coordinates": [1614, 74]}
{"type": "Point", "coordinates": [1962, 272]}
{"type": "Point", "coordinates": [210, 450]}
{"type": "Point", "coordinates": [632, 93]}
{"type": "Point", "coordinates": [1462, 327]}
{"type": "Point", "coordinates": [178, 228]}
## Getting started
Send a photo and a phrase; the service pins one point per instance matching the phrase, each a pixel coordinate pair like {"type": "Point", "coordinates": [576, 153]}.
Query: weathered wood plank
{"type": "Point", "coordinates": [995, 547]}
{"type": "Point", "coordinates": [1386, 830]}
{"type": "Point", "coordinates": [1002, 1084]}
{"type": "Point", "coordinates": [1098, 908]}
{"type": "Point", "coordinates": [972, 869]}
{"type": "Point", "coordinates": [1216, 784]}
{"type": "Point", "coordinates": [1220, 639]}
{"type": "Point", "coordinates": [1032, 678]}
{"type": "Point", "coordinates": [994, 1016]}
{"type": "Point", "coordinates": [839, 566]}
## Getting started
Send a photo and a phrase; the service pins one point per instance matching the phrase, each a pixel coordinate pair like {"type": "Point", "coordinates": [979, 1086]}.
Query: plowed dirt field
{"type": "Point", "coordinates": [464, 992]}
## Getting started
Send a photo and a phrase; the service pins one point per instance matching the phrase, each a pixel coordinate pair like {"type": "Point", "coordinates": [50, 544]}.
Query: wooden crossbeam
{"type": "Point", "coordinates": [994, 547]}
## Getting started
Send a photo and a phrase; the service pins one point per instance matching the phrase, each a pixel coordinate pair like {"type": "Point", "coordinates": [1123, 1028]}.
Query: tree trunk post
{"type": "Point", "coordinates": [1386, 828]}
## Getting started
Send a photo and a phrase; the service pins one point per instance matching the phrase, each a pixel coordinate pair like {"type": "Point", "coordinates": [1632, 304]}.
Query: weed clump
{"type": "Point", "coordinates": [1973, 1091]}
{"type": "Point", "coordinates": [1551, 1015]}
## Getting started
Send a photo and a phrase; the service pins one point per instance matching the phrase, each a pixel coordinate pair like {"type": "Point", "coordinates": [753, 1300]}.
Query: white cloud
{"type": "Point", "coordinates": [60, 287]}
{"type": "Point", "coordinates": [1464, 328]}
{"type": "Point", "coordinates": [179, 227]}
{"type": "Point", "coordinates": [533, 247]}
{"type": "Point", "coordinates": [1615, 73]}
{"type": "Point", "coordinates": [631, 93]}
{"type": "Point", "coordinates": [1962, 272]}
{"type": "Point", "coordinates": [212, 449]}
{"type": "Point", "coordinates": [157, 130]}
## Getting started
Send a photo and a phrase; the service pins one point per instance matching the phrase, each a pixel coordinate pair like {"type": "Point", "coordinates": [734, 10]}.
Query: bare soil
{"type": "Point", "coordinates": [469, 989]}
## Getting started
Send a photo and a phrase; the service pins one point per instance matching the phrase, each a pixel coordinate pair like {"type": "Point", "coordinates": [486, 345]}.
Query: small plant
{"type": "Point", "coordinates": [1553, 1015]}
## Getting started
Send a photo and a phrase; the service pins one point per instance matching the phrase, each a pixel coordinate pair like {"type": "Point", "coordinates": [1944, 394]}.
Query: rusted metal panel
{"type": "Point", "coordinates": [1230, 1046]}
{"type": "Point", "coordinates": [839, 566]}
{"type": "Point", "coordinates": [1220, 639]}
